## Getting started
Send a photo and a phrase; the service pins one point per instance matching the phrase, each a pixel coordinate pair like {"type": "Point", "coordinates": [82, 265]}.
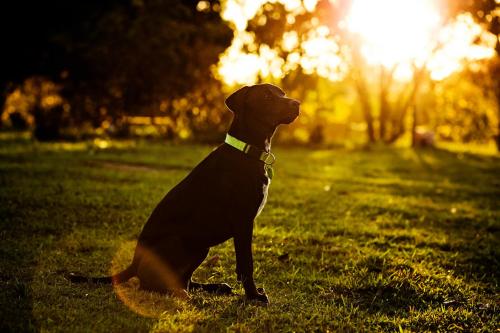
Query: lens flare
{"type": "Point", "coordinates": [146, 304]}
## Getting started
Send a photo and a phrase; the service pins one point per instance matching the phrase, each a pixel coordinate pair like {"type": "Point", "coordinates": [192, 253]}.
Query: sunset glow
{"type": "Point", "coordinates": [394, 31]}
{"type": "Point", "coordinates": [399, 34]}
{"type": "Point", "coordinates": [407, 33]}
{"type": "Point", "coordinates": [461, 40]}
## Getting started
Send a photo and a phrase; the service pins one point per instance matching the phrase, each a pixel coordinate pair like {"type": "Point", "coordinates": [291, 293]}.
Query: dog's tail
{"type": "Point", "coordinates": [121, 277]}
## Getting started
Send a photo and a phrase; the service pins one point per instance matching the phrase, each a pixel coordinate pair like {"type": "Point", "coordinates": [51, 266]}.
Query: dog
{"type": "Point", "coordinates": [217, 201]}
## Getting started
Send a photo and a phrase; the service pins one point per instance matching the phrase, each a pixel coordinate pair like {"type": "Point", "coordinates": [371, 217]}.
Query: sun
{"type": "Point", "coordinates": [396, 34]}
{"type": "Point", "coordinates": [395, 31]}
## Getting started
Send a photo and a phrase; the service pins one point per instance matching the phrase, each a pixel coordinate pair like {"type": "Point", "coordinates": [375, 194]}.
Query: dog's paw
{"type": "Point", "coordinates": [260, 297]}
{"type": "Point", "coordinates": [224, 289]}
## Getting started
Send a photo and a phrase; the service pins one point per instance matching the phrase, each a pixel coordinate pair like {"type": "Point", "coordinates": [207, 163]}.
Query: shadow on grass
{"type": "Point", "coordinates": [388, 299]}
{"type": "Point", "coordinates": [386, 287]}
{"type": "Point", "coordinates": [17, 304]}
{"type": "Point", "coordinates": [31, 213]}
{"type": "Point", "coordinates": [427, 189]}
{"type": "Point", "coordinates": [233, 312]}
{"type": "Point", "coordinates": [16, 277]}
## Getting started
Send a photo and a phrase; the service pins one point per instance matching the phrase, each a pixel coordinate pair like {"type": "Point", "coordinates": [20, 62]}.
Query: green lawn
{"type": "Point", "coordinates": [377, 240]}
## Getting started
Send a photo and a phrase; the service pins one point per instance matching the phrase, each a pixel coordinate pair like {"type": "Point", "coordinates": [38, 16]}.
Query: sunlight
{"type": "Point", "coordinates": [239, 12]}
{"type": "Point", "coordinates": [463, 39]}
{"type": "Point", "coordinates": [399, 34]}
{"type": "Point", "coordinates": [407, 33]}
{"type": "Point", "coordinates": [236, 66]}
{"type": "Point", "coordinates": [321, 55]}
{"type": "Point", "coordinates": [394, 31]}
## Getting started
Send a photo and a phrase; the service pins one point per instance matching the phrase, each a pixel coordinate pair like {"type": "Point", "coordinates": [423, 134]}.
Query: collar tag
{"type": "Point", "coordinates": [269, 171]}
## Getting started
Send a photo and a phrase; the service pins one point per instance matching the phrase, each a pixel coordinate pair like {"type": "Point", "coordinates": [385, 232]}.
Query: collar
{"type": "Point", "coordinates": [265, 156]}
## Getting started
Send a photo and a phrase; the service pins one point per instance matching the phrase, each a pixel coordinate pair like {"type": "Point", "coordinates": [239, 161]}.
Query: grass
{"type": "Point", "coordinates": [361, 240]}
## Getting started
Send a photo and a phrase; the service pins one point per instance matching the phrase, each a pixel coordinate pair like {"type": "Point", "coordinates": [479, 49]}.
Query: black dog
{"type": "Point", "coordinates": [217, 201]}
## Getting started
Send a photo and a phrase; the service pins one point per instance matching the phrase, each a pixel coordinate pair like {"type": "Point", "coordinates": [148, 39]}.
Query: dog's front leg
{"type": "Point", "coordinates": [244, 263]}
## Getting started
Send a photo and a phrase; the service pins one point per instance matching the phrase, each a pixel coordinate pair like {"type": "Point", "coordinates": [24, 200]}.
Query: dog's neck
{"type": "Point", "coordinates": [260, 136]}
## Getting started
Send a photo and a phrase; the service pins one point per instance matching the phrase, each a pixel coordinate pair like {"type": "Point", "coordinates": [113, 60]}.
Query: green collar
{"type": "Point", "coordinates": [267, 157]}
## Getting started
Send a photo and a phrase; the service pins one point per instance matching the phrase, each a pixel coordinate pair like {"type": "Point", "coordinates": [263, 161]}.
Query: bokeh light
{"type": "Point", "coordinates": [398, 34]}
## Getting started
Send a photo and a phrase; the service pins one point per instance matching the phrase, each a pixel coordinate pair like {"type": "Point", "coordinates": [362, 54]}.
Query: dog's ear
{"type": "Point", "coordinates": [236, 101]}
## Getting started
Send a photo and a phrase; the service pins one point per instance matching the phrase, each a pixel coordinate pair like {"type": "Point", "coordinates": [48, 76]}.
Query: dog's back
{"type": "Point", "coordinates": [206, 206]}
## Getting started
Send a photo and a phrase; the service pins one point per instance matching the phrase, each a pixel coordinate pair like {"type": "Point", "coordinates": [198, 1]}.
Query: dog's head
{"type": "Point", "coordinates": [264, 104]}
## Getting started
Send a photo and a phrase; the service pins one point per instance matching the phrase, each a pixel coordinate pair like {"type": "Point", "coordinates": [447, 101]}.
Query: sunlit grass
{"type": "Point", "coordinates": [363, 240]}
{"type": "Point", "coordinates": [484, 149]}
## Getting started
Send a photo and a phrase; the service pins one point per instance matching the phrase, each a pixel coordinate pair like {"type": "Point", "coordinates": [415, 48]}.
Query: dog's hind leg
{"type": "Point", "coordinates": [217, 288]}
{"type": "Point", "coordinates": [167, 267]}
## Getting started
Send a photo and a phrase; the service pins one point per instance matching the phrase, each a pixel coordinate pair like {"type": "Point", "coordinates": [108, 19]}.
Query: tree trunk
{"type": "Point", "coordinates": [385, 86]}
{"type": "Point", "coordinates": [496, 83]}
{"type": "Point", "coordinates": [362, 90]}
{"type": "Point", "coordinates": [414, 127]}
{"type": "Point", "coordinates": [369, 124]}
{"type": "Point", "coordinates": [398, 124]}
{"type": "Point", "coordinates": [384, 105]}
{"type": "Point", "coordinates": [367, 109]}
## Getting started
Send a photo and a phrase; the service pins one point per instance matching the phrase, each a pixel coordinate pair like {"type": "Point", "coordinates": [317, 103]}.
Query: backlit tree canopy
{"type": "Point", "coordinates": [114, 57]}
{"type": "Point", "coordinates": [391, 52]}
{"type": "Point", "coordinates": [359, 66]}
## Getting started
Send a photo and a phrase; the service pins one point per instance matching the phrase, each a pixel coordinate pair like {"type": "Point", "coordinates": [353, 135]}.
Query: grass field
{"type": "Point", "coordinates": [363, 240]}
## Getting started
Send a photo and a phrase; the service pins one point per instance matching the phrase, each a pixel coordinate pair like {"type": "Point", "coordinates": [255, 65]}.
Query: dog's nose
{"type": "Point", "coordinates": [295, 103]}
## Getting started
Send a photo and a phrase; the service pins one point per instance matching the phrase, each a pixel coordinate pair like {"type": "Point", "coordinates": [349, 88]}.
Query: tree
{"type": "Point", "coordinates": [113, 57]}
{"type": "Point", "coordinates": [385, 123]}
{"type": "Point", "coordinates": [388, 105]}
{"type": "Point", "coordinates": [487, 13]}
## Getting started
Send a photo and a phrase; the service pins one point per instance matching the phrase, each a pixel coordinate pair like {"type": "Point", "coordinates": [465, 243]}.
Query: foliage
{"type": "Point", "coordinates": [465, 110]}
{"type": "Point", "coordinates": [113, 60]}
{"type": "Point", "coordinates": [152, 51]}
{"type": "Point", "coordinates": [389, 106]}
{"type": "Point", "coordinates": [373, 240]}
{"type": "Point", "coordinates": [487, 12]}
{"type": "Point", "coordinates": [132, 57]}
